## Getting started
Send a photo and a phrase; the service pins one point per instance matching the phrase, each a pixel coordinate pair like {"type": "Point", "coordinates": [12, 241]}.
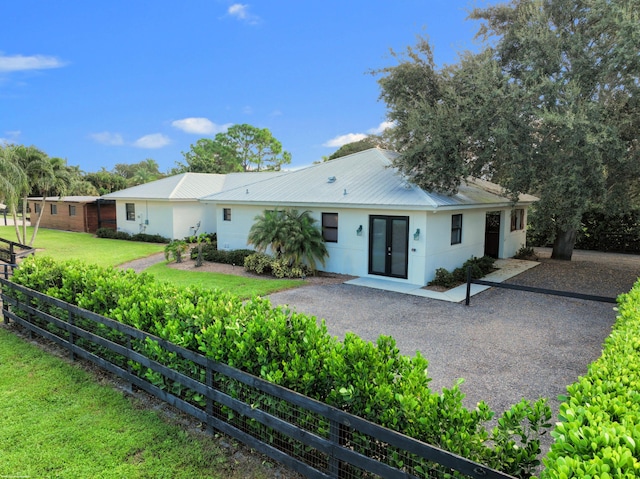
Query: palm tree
{"type": "Point", "coordinates": [34, 166]}
{"type": "Point", "coordinates": [268, 231]}
{"type": "Point", "coordinates": [291, 235]}
{"type": "Point", "coordinates": [304, 244]}
{"type": "Point", "coordinates": [12, 178]}
{"type": "Point", "coordinates": [53, 180]}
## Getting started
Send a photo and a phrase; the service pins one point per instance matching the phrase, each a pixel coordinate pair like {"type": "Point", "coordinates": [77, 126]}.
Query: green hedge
{"type": "Point", "coordinates": [122, 235]}
{"type": "Point", "coordinates": [373, 381]}
{"type": "Point", "coordinates": [599, 430]}
{"type": "Point", "coordinates": [210, 252]}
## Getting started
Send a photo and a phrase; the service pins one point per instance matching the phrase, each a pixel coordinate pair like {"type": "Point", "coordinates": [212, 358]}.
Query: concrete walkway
{"type": "Point", "coordinates": [507, 268]}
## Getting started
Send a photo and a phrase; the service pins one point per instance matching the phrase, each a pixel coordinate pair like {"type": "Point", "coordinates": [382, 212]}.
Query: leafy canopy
{"type": "Point", "coordinates": [241, 148]}
{"type": "Point", "coordinates": [550, 106]}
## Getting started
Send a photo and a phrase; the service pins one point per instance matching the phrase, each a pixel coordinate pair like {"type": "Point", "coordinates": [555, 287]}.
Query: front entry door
{"type": "Point", "coordinates": [492, 234]}
{"type": "Point", "coordinates": [388, 245]}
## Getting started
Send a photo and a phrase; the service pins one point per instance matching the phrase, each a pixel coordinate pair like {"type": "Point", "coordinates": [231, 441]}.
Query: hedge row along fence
{"type": "Point", "coordinates": [372, 381]}
{"type": "Point", "coordinates": [599, 430]}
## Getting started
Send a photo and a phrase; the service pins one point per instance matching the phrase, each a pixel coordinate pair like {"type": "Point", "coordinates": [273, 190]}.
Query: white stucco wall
{"type": "Point", "coordinates": [172, 220]}
{"type": "Point", "coordinates": [350, 255]}
{"type": "Point", "coordinates": [512, 241]}
{"type": "Point", "coordinates": [440, 252]}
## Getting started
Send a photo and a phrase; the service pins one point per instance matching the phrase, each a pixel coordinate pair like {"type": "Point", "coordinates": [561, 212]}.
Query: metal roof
{"type": "Point", "coordinates": [188, 186]}
{"type": "Point", "coordinates": [68, 199]}
{"type": "Point", "coordinates": [363, 179]}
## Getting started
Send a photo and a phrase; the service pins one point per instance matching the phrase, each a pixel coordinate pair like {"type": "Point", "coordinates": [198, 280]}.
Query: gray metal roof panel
{"type": "Point", "coordinates": [366, 178]}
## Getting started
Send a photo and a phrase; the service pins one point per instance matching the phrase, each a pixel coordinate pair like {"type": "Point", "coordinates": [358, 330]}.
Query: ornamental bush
{"type": "Point", "coordinates": [599, 430]}
{"type": "Point", "coordinates": [479, 267]}
{"type": "Point", "coordinates": [122, 235]}
{"type": "Point", "coordinates": [294, 350]}
{"type": "Point", "coordinates": [261, 263]}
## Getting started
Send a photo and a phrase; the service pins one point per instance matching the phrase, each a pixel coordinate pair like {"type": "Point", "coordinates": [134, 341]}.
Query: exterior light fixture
{"type": "Point", "coordinates": [359, 230]}
{"type": "Point", "coordinates": [416, 235]}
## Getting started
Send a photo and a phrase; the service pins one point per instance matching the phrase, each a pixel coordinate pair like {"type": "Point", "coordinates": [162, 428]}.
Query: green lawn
{"type": "Point", "coordinates": [63, 245]}
{"type": "Point", "coordinates": [239, 285]}
{"type": "Point", "coordinates": [57, 421]}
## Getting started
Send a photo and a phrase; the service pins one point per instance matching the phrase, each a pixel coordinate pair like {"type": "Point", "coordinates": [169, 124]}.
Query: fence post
{"type": "Point", "coordinates": [72, 338]}
{"type": "Point", "coordinates": [468, 298]}
{"type": "Point", "coordinates": [334, 436]}
{"type": "Point", "coordinates": [5, 306]}
{"type": "Point", "coordinates": [208, 379]}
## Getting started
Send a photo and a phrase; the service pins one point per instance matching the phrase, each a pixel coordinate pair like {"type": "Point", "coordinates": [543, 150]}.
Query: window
{"type": "Point", "coordinates": [456, 229]}
{"type": "Point", "coordinates": [330, 227]}
{"type": "Point", "coordinates": [36, 207]}
{"type": "Point", "coordinates": [72, 210]}
{"type": "Point", "coordinates": [517, 219]}
{"type": "Point", "coordinates": [54, 209]}
{"type": "Point", "coordinates": [226, 214]}
{"type": "Point", "coordinates": [131, 211]}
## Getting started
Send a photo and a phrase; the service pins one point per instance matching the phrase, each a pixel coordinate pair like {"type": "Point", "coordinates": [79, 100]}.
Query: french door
{"type": "Point", "coordinates": [388, 245]}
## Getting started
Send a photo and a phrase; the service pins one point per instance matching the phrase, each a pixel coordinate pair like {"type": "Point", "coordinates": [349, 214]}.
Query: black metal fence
{"type": "Point", "coordinates": [531, 289]}
{"type": "Point", "coordinates": [308, 436]}
{"type": "Point", "coordinates": [10, 251]}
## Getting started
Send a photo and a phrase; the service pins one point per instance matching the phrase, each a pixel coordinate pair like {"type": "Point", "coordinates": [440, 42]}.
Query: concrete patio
{"type": "Point", "coordinates": [507, 268]}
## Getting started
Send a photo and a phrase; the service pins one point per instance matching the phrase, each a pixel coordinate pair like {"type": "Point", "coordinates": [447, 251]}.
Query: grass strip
{"type": "Point", "coordinates": [239, 285]}
{"type": "Point", "coordinates": [58, 422]}
{"type": "Point", "coordinates": [63, 245]}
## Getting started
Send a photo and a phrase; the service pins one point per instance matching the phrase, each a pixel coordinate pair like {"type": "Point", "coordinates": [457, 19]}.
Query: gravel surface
{"type": "Point", "coordinates": [507, 345]}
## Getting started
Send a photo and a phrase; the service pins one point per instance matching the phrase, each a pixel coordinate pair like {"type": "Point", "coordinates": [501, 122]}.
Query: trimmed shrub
{"type": "Point", "coordinates": [479, 267]}
{"type": "Point", "coordinates": [261, 263]}
{"type": "Point", "coordinates": [526, 252]}
{"type": "Point", "coordinates": [234, 256]}
{"type": "Point", "coordinates": [599, 430]}
{"type": "Point", "coordinates": [444, 278]}
{"type": "Point", "coordinates": [370, 380]}
{"type": "Point", "coordinates": [146, 238]}
{"type": "Point", "coordinates": [122, 235]}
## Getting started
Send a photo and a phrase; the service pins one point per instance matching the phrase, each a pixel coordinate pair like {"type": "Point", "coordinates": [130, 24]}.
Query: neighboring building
{"type": "Point", "coordinates": [73, 213]}
{"type": "Point", "coordinates": [375, 221]}
{"type": "Point", "coordinates": [170, 207]}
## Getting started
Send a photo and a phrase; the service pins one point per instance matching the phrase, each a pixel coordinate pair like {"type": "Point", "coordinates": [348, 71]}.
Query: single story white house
{"type": "Point", "coordinates": [170, 207]}
{"type": "Point", "coordinates": [375, 222]}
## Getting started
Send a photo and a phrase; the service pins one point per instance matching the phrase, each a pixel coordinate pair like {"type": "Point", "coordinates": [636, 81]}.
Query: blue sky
{"type": "Point", "coordinates": [106, 82]}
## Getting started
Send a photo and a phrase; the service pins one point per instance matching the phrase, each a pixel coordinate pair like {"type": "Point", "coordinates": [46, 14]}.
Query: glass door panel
{"type": "Point", "coordinates": [378, 247]}
{"type": "Point", "coordinates": [388, 245]}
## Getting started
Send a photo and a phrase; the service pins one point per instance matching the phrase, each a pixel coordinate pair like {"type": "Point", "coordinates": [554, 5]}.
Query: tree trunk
{"type": "Point", "coordinates": [14, 213]}
{"type": "Point", "coordinates": [37, 225]}
{"type": "Point", "coordinates": [563, 244]}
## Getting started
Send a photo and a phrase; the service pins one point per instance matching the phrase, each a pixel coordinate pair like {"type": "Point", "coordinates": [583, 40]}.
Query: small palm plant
{"type": "Point", "coordinates": [291, 236]}
{"type": "Point", "coordinates": [175, 250]}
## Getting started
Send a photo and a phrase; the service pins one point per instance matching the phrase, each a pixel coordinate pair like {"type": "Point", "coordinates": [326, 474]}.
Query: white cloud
{"type": "Point", "coordinates": [381, 127]}
{"type": "Point", "coordinates": [16, 63]}
{"type": "Point", "coordinates": [12, 137]}
{"type": "Point", "coordinates": [247, 110]}
{"type": "Point", "coordinates": [199, 126]}
{"type": "Point", "coordinates": [155, 140]}
{"type": "Point", "coordinates": [341, 140]}
{"type": "Point", "coordinates": [241, 12]}
{"type": "Point", "coordinates": [107, 138]}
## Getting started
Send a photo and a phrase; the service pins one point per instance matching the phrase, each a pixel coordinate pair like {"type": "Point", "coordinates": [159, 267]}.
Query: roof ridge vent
{"type": "Point", "coordinates": [331, 179]}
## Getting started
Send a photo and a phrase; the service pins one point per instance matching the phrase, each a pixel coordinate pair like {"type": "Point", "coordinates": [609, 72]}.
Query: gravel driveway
{"type": "Point", "coordinates": [507, 345]}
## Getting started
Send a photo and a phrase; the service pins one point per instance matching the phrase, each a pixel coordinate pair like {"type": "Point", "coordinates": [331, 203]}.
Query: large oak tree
{"type": "Point", "coordinates": [550, 106]}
